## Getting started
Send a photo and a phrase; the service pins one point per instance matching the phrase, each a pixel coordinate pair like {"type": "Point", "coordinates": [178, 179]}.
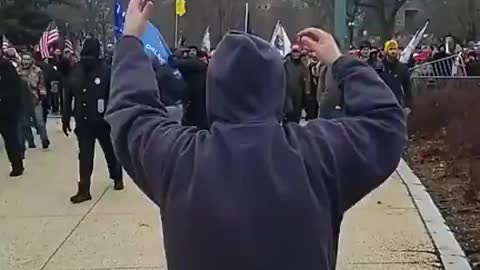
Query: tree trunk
{"type": "Point", "coordinates": [388, 28]}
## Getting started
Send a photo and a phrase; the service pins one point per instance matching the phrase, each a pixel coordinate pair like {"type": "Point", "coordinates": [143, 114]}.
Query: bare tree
{"type": "Point", "coordinates": [386, 11]}
{"type": "Point", "coordinates": [467, 17]}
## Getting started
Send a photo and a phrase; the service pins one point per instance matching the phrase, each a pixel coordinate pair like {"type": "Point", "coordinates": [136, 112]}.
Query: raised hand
{"type": "Point", "coordinates": [321, 43]}
{"type": "Point", "coordinates": [138, 14]}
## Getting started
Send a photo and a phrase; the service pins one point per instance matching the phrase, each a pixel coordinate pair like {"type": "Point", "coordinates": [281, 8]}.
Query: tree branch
{"type": "Point", "coordinates": [397, 7]}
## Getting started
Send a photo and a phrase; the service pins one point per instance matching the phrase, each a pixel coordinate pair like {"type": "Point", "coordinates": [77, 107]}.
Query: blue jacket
{"type": "Point", "coordinates": [251, 193]}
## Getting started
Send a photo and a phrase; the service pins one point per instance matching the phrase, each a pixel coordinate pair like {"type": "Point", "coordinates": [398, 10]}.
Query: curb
{"type": "Point", "coordinates": [451, 254]}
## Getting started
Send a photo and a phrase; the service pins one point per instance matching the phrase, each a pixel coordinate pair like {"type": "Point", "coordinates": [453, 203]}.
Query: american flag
{"type": "Point", "coordinates": [68, 45]}
{"type": "Point", "coordinates": [49, 36]}
{"type": "Point", "coordinates": [7, 45]}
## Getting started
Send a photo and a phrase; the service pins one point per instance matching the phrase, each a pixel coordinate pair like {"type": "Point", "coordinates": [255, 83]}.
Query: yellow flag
{"type": "Point", "coordinates": [180, 7]}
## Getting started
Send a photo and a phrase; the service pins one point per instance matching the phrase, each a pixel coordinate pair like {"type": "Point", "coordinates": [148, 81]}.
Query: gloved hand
{"type": "Point", "coordinates": [66, 129]}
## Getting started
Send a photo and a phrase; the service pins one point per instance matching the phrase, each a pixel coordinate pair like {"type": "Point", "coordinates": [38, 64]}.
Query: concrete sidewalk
{"type": "Point", "coordinates": [40, 229]}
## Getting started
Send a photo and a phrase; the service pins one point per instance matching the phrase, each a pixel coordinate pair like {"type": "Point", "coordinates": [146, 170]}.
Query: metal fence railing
{"type": "Point", "coordinates": [452, 66]}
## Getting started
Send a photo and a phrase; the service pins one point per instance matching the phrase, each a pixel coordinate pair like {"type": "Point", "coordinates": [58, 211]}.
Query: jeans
{"type": "Point", "coordinates": [40, 123]}
{"type": "Point", "coordinates": [25, 131]}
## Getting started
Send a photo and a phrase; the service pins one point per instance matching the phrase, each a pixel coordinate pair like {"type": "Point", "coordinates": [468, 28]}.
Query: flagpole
{"type": "Point", "coordinates": [176, 30]}
{"type": "Point", "coordinates": [246, 17]}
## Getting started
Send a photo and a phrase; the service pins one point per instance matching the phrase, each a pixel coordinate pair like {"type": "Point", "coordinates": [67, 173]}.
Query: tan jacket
{"type": "Point", "coordinates": [35, 81]}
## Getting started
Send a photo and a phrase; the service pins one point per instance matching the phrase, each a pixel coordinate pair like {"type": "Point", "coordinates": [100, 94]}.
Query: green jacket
{"type": "Point", "coordinates": [329, 97]}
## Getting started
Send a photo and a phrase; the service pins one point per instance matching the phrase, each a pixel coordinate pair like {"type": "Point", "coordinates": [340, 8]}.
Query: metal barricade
{"type": "Point", "coordinates": [452, 66]}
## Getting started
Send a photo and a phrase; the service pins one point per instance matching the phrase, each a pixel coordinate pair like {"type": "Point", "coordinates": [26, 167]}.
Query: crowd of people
{"type": "Point", "coordinates": [48, 86]}
{"type": "Point", "coordinates": [438, 60]}
{"type": "Point", "coordinates": [256, 189]}
{"type": "Point", "coordinates": [216, 141]}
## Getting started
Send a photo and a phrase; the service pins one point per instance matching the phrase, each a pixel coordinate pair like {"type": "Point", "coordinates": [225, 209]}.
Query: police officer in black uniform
{"type": "Point", "coordinates": [89, 85]}
{"type": "Point", "coordinates": [10, 108]}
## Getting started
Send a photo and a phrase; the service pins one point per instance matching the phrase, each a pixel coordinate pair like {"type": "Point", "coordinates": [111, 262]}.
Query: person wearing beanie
{"type": "Point", "coordinates": [10, 109]}
{"type": "Point", "coordinates": [89, 85]}
{"type": "Point", "coordinates": [251, 192]}
{"type": "Point", "coordinates": [396, 75]}
{"type": "Point", "coordinates": [365, 48]}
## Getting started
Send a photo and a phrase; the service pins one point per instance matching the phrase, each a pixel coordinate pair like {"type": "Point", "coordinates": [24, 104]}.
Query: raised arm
{"type": "Point", "coordinates": [355, 154]}
{"type": "Point", "coordinates": [145, 141]}
{"type": "Point", "coordinates": [360, 151]}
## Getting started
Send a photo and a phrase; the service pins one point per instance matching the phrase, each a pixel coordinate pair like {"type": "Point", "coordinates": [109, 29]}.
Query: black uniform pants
{"type": "Point", "coordinates": [86, 137]}
{"type": "Point", "coordinates": [9, 134]}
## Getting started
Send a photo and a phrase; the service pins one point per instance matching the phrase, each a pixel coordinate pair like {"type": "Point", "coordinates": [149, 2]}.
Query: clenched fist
{"type": "Point", "coordinates": [321, 43]}
{"type": "Point", "coordinates": [138, 14]}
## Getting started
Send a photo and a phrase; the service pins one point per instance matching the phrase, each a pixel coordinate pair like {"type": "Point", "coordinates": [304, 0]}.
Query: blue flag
{"type": "Point", "coordinates": [153, 41]}
{"type": "Point", "coordinates": [118, 20]}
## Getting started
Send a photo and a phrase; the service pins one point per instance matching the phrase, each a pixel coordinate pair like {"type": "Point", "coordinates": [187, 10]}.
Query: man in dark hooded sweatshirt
{"type": "Point", "coordinates": [89, 85]}
{"type": "Point", "coordinates": [250, 193]}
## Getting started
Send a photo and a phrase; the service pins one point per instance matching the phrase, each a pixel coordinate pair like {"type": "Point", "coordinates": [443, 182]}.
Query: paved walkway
{"type": "Point", "coordinates": [40, 229]}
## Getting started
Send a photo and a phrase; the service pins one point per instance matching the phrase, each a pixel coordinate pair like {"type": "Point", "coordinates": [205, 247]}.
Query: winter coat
{"type": "Point", "coordinates": [251, 192]}
{"type": "Point", "coordinates": [297, 76]}
{"type": "Point", "coordinates": [329, 96]}
{"type": "Point", "coordinates": [35, 80]}
{"type": "Point", "coordinates": [397, 77]}
{"type": "Point", "coordinates": [90, 91]}
{"type": "Point", "coordinates": [194, 71]}
{"type": "Point", "coordinates": [10, 93]}
{"type": "Point", "coordinates": [171, 84]}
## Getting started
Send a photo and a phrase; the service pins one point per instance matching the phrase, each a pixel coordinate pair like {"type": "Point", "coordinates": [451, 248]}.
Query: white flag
{"type": "Point", "coordinates": [280, 40]}
{"type": "Point", "coordinates": [417, 38]}
{"type": "Point", "coordinates": [206, 40]}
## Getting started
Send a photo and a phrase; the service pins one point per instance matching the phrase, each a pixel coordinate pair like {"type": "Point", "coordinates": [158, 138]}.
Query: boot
{"type": "Point", "coordinates": [83, 193]}
{"type": "Point", "coordinates": [17, 168]}
{"type": "Point", "coordinates": [46, 144]}
{"type": "Point", "coordinates": [118, 185]}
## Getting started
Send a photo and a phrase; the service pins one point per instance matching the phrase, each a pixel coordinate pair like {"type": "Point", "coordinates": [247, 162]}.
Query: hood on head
{"type": "Point", "coordinates": [91, 48]}
{"type": "Point", "coordinates": [245, 81]}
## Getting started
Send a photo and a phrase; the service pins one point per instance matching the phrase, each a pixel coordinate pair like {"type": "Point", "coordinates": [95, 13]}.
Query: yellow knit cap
{"type": "Point", "coordinates": [391, 44]}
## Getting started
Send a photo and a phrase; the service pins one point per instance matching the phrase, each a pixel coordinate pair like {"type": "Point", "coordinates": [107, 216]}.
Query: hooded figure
{"type": "Point", "coordinates": [251, 193]}
{"type": "Point", "coordinates": [88, 86]}
{"type": "Point", "coordinates": [10, 109]}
